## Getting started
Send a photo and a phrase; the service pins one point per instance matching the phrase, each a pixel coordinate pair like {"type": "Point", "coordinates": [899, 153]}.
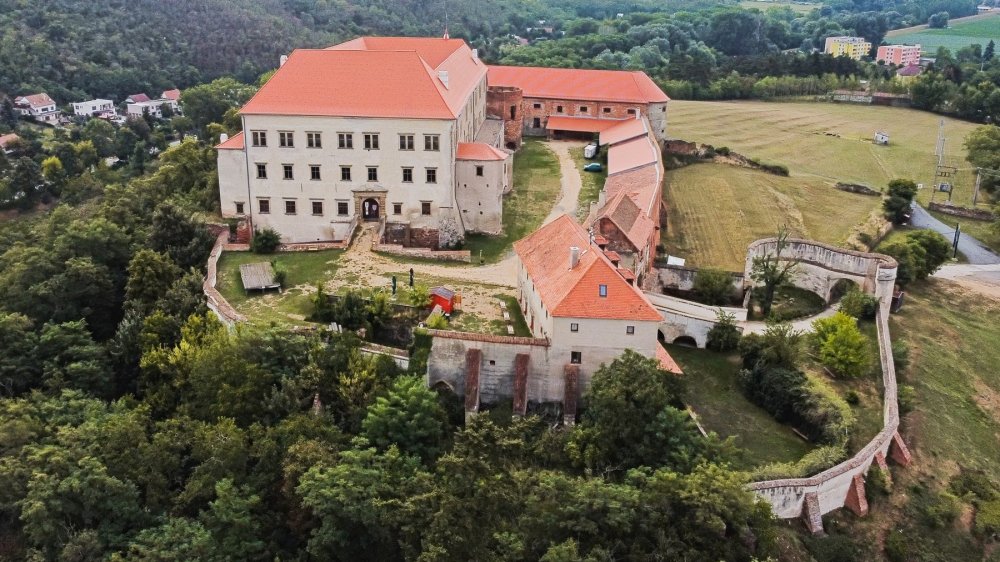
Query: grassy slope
{"type": "Point", "coordinates": [799, 136]}
{"type": "Point", "coordinates": [716, 210]}
{"type": "Point", "coordinates": [304, 270]}
{"type": "Point", "coordinates": [536, 188]}
{"type": "Point", "coordinates": [713, 394]}
{"type": "Point", "coordinates": [956, 36]}
{"type": "Point", "coordinates": [797, 8]}
{"type": "Point", "coordinates": [953, 340]}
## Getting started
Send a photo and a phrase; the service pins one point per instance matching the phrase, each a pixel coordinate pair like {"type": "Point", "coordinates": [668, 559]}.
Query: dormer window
{"type": "Point", "coordinates": [602, 290]}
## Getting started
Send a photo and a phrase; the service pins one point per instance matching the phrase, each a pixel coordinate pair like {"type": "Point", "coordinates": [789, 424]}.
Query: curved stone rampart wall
{"type": "Point", "coordinates": [822, 265]}
{"type": "Point", "coordinates": [842, 484]}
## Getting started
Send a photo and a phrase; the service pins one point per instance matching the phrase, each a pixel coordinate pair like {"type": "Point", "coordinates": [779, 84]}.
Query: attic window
{"type": "Point", "coordinates": [602, 290]}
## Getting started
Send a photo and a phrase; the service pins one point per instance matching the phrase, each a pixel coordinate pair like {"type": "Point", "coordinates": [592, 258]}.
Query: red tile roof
{"type": "Point", "coordinates": [235, 142]}
{"type": "Point", "coordinates": [667, 362]}
{"type": "Point", "coordinates": [37, 100]}
{"type": "Point", "coordinates": [630, 219]}
{"type": "Point", "coordinates": [911, 70]}
{"type": "Point", "coordinates": [373, 77]}
{"type": "Point", "coordinates": [174, 94]}
{"type": "Point", "coordinates": [574, 293]}
{"type": "Point", "coordinates": [642, 185]}
{"type": "Point", "coordinates": [623, 131]}
{"type": "Point", "coordinates": [139, 98]}
{"type": "Point", "coordinates": [579, 124]}
{"type": "Point", "coordinates": [632, 154]}
{"type": "Point", "coordinates": [578, 84]}
{"type": "Point", "coordinates": [433, 50]}
{"type": "Point", "coordinates": [478, 151]}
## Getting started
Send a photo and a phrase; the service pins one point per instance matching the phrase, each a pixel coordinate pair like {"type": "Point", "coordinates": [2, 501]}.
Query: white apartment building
{"type": "Point", "coordinates": [374, 129]}
{"type": "Point", "coordinates": [98, 107]}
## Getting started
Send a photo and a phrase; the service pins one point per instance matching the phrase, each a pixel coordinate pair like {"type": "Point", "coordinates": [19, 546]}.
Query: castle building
{"type": "Point", "coordinates": [573, 102]}
{"type": "Point", "coordinates": [845, 46]}
{"type": "Point", "coordinates": [375, 129]}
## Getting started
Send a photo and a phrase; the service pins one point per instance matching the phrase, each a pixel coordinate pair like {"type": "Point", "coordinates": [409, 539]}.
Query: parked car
{"type": "Point", "coordinates": [593, 167]}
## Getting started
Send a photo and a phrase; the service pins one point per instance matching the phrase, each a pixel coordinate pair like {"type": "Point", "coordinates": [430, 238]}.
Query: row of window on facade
{"type": "Point", "coordinates": [315, 173]}
{"type": "Point", "coordinates": [559, 109]}
{"type": "Point", "coordinates": [286, 139]}
{"type": "Point", "coordinates": [291, 207]}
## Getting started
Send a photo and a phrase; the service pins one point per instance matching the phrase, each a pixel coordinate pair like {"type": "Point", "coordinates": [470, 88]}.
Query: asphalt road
{"type": "Point", "coordinates": [974, 251]}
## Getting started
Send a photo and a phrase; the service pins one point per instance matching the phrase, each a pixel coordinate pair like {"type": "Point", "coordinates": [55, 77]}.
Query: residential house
{"type": "Point", "coordinates": [39, 106]}
{"type": "Point", "coordinates": [374, 129]}
{"type": "Point", "coordinates": [909, 72]}
{"type": "Point", "coordinates": [95, 108]}
{"type": "Point", "coordinates": [138, 98]}
{"type": "Point", "coordinates": [899, 55]}
{"type": "Point", "coordinates": [845, 46]}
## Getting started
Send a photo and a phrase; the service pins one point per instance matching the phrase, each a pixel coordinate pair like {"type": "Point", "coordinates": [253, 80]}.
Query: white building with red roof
{"type": "Point", "coordinates": [574, 294]}
{"type": "Point", "coordinates": [39, 106]}
{"type": "Point", "coordinates": [377, 128]}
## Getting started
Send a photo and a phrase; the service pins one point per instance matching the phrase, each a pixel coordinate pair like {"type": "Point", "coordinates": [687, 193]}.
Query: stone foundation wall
{"type": "Point", "coordinates": [964, 212]}
{"type": "Point", "coordinates": [681, 278]}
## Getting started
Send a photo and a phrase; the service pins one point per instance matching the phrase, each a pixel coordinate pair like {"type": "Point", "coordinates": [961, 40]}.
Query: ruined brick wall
{"type": "Point", "coordinates": [617, 240]}
{"type": "Point", "coordinates": [499, 102]}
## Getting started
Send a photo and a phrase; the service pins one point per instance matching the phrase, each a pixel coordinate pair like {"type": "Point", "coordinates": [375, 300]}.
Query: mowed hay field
{"type": "Point", "coordinates": [830, 141]}
{"type": "Point", "coordinates": [716, 210]}
{"type": "Point", "coordinates": [975, 30]}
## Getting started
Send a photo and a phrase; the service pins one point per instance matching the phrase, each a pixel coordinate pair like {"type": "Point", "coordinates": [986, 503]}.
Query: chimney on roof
{"type": "Point", "coordinates": [475, 54]}
{"type": "Point", "coordinates": [282, 61]}
{"type": "Point", "coordinates": [223, 138]}
{"type": "Point", "coordinates": [602, 198]}
{"type": "Point", "coordinates": [443, 76]}
{"type": "Point", "coordinates": [574, 256]}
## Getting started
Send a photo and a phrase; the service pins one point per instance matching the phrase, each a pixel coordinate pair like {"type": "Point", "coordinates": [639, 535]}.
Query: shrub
{"type": "Point", "coordinates": [280, 273]}
{"type": "Point", "coordinates": [419, 296]}
{"type": "Point", "coordinates": [897, 546]}
{"type": "Point", "coordinates": [876, 483]}
{"type": "Point", "coordinates": [852, 398]}
{"type": "Point", "coordinates": [939, 510]}
{"type": "Point", "coordinates": [437, 321]}
{"type": "Point", "coordinates": [265, 241]}
{"type": "Point", "coordinates": [906, 397]}
{"type": "Point", "coordinates": [724, 335]}
{"type": "Point", "coordinates": [834, 548]}
{"type": "Point", "coordinates": [842, 346]}
{"type": "Point", "coordinates": [813, 462]}
{"type": "Point", "coordinates": [988, 519]}
{"type": "Point", "coordinates": [974, 483]}
{"type": "Point", "coordinates": [859, 305]}
{"type": "Point", "coordinates": [723, 150]}
{"type": "Point", "coordinates": [779, 346]}
{"type": "Point", "coordinates": [713, 286]}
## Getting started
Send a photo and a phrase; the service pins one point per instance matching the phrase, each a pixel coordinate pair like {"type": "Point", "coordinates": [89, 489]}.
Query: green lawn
{"type": "Point", "coordinates": [293, 304]}
{"type": "Point", "coordinates": [955, 36]}
{"type": "Point", "coordinates": [593, 182]}
{"type": "Point", "coordinates": [714, 395]}
{"type": "Point", "coordinates": [716, 210]}
{"type": "Point", "coordinates": [797, 8]}
{"type": "Point", "coordinates": [536, 188]}
{"type": "Point", "coordinates": [953, 338]}
{"type": "Point", "coordinates": [830, 142]}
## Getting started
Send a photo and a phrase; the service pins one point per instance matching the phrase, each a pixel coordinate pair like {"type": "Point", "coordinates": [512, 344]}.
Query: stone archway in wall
{"type": "Point", "coordinates": [369, 204]}
{"type": "Point", "coordinates": [685, 341]}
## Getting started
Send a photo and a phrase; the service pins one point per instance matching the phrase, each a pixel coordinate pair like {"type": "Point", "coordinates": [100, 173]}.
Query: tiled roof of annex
{"type": "Point", "coordinates": [478, 151]}
{"type": "Point", "coordinates": [578, 84]}
{"type": "Point", "coordinates": [234, 142]}
{"type": "Point", "coordinates": [400, 77]}
{"type": "Point", "coordinates": [575, 293]}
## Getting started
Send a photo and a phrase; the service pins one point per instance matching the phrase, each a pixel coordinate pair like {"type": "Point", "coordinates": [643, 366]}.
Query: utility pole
{"type": "Point", "coordinates": [979, 181]}
{"type": "Point", "coordinates": [958, 234]}
{"type": "Point", "coordinates": [939, 152]}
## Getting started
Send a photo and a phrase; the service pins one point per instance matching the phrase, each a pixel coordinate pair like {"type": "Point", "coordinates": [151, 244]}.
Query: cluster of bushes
{"type": "Point", "coordinates": [897, 205]}
{"type": "Point", "coordinates": [265, 241]}
{"type": "Point", "coordinates": [771, 379]}
{"type": "Point", "coordinates": [918, 254]}
{"type": "Point", "coordinates": [859, 305]}
{"type": "Point", "coordinates": [776, 169]}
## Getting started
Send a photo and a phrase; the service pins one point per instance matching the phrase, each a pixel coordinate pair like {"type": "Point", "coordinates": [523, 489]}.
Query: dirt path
{"type": "Point", "coordinates": [571, 182]}
{"type": "Point", "coordinates": [982, 279]}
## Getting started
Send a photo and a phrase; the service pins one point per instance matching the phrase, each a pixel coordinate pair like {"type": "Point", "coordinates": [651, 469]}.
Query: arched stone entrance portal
{"type": "Point", "coordinates": [370, 209]}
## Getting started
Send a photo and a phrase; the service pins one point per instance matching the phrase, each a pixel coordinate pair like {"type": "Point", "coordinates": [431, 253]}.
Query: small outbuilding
{"type": "Point", "coordinates": [881, 137]}
{"type": "Point", "coordinates": [443, 297]}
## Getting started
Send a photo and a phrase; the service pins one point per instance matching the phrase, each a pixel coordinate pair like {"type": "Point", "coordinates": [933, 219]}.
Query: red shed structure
{"type": "Point", "coordinates": [443, 297]}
